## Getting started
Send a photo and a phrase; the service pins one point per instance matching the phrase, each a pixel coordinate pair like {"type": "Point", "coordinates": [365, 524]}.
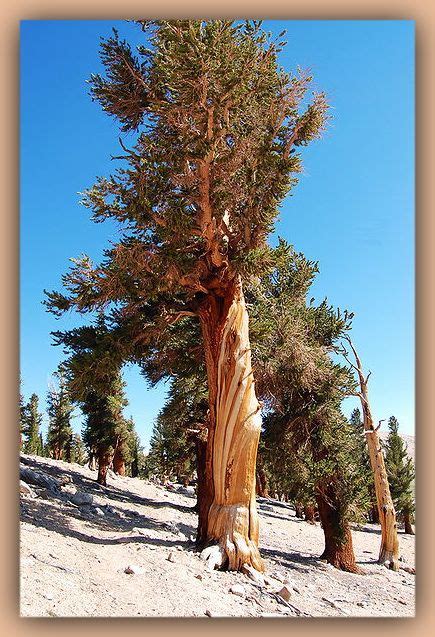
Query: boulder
{"type": "Point", "coordinates": [26, 490]}
{"type": "Point", "coordinates": [81, 498]}
{"type": "Point", "coordinates": [38, 478]}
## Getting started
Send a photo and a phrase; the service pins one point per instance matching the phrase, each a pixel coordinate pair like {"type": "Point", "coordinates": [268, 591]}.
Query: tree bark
{"type": "Point", "coordinates": [407, 520]}
{"type": "Point", "coordinates": [261, 483]}
{"type": "Point", "coordinates": [299, 510]}
{"type": "Point", "coordinates": [104, 459]}
{"type": "Point", "coordinates": [338, 538]}
{"type": "Point", "coordinates": [204, 486]}
{"type": "Point", "coordinates": [118, 461]}
{"type": "Point", "coordinates": [309, 513]}
{"type": "Point", "coordinates": [389, 551]}
{"type": "Point", "coordinates": [228, 514]}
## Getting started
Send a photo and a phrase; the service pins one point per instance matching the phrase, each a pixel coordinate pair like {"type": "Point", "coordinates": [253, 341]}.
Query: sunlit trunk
{"type": "Point", "coordinates": [389, 550]}
{"type": "Point", "coordinates": [228, 507]}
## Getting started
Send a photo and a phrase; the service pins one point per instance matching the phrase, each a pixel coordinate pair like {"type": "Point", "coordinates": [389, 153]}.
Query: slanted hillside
{"type": "Point", "coordinates": [126, 551]}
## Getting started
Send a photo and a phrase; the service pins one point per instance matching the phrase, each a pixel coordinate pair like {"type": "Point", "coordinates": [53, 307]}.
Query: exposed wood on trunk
{"type": "Point", "coordinates": [234, 431]}
{"type": "Point", "coordinates": [389, 551]}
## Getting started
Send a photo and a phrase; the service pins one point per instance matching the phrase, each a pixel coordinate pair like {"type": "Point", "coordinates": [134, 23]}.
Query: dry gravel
{"type": "Point", "coordinates": [74, 558]}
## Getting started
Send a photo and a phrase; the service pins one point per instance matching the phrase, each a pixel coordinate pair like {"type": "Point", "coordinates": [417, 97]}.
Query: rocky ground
{"type": "Point", "coordinates": [126, 550]}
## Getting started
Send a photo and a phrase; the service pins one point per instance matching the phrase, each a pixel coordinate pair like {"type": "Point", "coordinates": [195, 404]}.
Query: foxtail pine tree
{"type": "Point", "coordinates": [218, 124]}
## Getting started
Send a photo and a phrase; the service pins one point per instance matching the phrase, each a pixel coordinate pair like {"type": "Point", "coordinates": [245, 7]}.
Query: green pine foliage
{"type": "Point", "coordinates": [173, 443]}
{"type": "Point", "coordinates": [363, 458]}
{"type": "Point", "coordinates": [31, 420]}
{"type": "Point", "coordinates": [78, 450]}
{"type": "Point", "coordinates": [302, 389]}
{"type": "Point", "coordinates": [204, 98]}
{"type": "Point", "coordinates": [59, 408]}
{"type": "Point", "coordinates": [400, 470]}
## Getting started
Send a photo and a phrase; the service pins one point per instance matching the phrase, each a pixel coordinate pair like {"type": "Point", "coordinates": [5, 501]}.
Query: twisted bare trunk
{"type": "Point", "coordinates": [389, 551]}
{"type": "Point", "coordinates": [227, 507]}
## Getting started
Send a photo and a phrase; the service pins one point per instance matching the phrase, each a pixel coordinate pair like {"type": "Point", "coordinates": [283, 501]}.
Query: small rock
{"type": "Point", "coordinates": [26, 490]}
{"type": "Point", "coordinates": [64, 479]}
{"type": "Point", "coordinates": [278, 577]}
{"type": "Point", "coordinates": [253, 574]}
{"type": "Point", "coordinates": [99, 512]}
{"type": "Point", "coordinates": [132, 569]}
{"type": "Point", "coordinates": [237, 589]}
{"type": "Point", "coordinates": [171, 558]}
{"type": "Point", "coordinates": [81, 498]}
{"type": "Point", "coordinates": [361, 604]}
{"type": "Point", "coordinates": [285, 592]}
{"type": "Point", "coordinates": [199, 576]}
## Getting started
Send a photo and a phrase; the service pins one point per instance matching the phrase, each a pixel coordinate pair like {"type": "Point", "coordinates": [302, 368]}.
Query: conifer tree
{"type": "Point", "coordinates": [302, 390]}
{"type": "Point", "coordinates": [93, 373]}
{"type": "Point", "coordinates": [364, 462]}
{"type": "Point", "coordinates": [59, 408]}
{"type": "Point", "coordinates": [31, 423]}
{"type": "Point", "coordinates": [219, 126]}
{"type": "Point", "coordinates": [21, 416]}
{"type": "Point", "coordinates": [78, 450]}
{"type": "Point", "coordinates": [401, 474]}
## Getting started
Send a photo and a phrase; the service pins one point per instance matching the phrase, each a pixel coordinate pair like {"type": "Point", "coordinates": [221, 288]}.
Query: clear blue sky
{"type": "Point", "coordinates": [353, 209]}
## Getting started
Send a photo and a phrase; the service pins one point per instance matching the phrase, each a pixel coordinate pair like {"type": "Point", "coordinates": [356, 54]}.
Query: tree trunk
{"type": "Point", "coordinates": [228, 507]}
{"type": "Point", "coordinates": [118, 461]}
{"type": "Point", "coordinates": [299, 510]}
{"type": "Point", "coordinates": [262, 487]}
{"type": "Point", "coordinates": [389, 551]}
{"type": "Point", "coordinates": [407, 520]}
{"type": "Point", "coordinates": [103, 465]}
{"type": "Point", "coordinates": [92, 464]}
{"type": "Point", "coordinates": [374, 513]}
{"type": "Point", "coordinates": [338, 538]}
{"type": "Point", "coordinates": [309, 513]}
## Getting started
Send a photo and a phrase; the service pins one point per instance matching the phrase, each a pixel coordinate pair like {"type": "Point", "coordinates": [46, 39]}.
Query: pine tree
{"type": "Point", "coordinates": [59, 412]}
{"type": "Point", "coordinates": [31, 422]}
{"type": "Point", "coordinates": [363, 459]}
{"type": "Point", "coordinates": [22, 413]}
{"type": "Point", "coordinates": [401, 474]}
{"type": "Point", "coordinates": [78, 451]}
{"type": "Point", "coordinates": [93, 373]}
{"type": "Point", "coordinates": [302, 390]}
{"type": "Point", "coordinates": [219, 127]}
